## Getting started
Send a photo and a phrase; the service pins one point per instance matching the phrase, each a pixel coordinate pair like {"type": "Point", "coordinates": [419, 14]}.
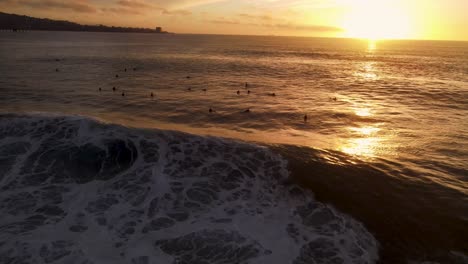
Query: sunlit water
{"type": "Point", "coordinates": [400, 106]}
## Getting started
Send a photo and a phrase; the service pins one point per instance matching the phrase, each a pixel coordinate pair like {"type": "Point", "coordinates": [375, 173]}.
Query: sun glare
{"type": "Point", "coordinates": [363, 112]}
{"type": "Point", "coordinates": [371, 19]}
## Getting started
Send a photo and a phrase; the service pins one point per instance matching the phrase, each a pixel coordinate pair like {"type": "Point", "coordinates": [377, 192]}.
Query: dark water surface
{"type": "Point", "coordinates": [386, 139]}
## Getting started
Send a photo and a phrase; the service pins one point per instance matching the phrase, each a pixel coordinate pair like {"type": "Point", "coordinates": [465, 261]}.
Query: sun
{"type": "Point", "coordinates": [377, 19]}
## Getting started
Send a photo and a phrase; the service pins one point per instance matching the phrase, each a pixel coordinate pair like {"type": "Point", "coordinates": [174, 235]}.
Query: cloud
{"type": "Point", "coordinates": [267, 21]}
{"type": "Point", "coordinates": [138, 7]}
{"type": "Point", "coordinates": [256, 14]}
{"type": "Point", "coordinates": [128, 7]}
{"type": "Point", "coordinates": [182, 4]}
{"type": "Point", "coordinates": [301, 4]}
{"type": "Point", "coordinates": [133, 4]}
{"type": "Point", "coordinates": [119, 10]}
{"type": "Point", "coordinates": [290, 26]}
{"type": "Point", "coordinates": [315, 28]}
{"type": "Point", "coordinates": [175, 12]}
{"type": "Point", "coordinates": [223, 22]}
{"type": "Point", "coordinates": [257, 17]}
{"type": "Point", "coordinates": [81, 6]}
{"type": "Point", "coordinates": [125, 7]}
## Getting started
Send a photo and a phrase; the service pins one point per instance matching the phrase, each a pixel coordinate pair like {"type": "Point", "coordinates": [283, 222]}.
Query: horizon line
{"type": "Point", "coordinates": [220, 34]}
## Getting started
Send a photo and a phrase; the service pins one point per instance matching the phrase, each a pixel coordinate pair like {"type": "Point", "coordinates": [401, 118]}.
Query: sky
{"type": "Point", "coordinates": [372, 19]}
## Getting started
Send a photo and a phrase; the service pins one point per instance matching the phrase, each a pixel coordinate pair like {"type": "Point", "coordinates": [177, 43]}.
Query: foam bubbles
{"type": "Point", "coordinates": [78, 191]}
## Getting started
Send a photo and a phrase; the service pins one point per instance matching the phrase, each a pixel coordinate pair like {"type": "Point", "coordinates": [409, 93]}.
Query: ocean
{"type": "Point", "coordinates": [149, 148]}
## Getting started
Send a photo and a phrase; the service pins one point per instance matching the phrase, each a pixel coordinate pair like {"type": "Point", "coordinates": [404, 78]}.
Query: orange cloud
{"type": "Point", "coordinates": [270, 22]}
{"type": "Point", "coordinates": [82, 6]}
{"type": "Point", "coordinates": [138, 7]}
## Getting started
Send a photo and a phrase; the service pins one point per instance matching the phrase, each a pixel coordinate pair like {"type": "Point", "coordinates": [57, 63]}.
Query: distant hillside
{"type": "Point", "coordinates": [18, 22]}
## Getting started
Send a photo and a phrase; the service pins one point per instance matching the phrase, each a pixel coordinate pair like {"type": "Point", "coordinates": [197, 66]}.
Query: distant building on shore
{"type": "Point", "coordinates": [158, 29]}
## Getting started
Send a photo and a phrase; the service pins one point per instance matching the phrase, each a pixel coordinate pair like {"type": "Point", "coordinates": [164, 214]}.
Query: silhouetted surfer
{"type": "Point", "coordinates": [305, 118]}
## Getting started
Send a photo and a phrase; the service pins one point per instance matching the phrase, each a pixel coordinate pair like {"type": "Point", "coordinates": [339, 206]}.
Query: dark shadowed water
{"type": "Point", "coordinates": [385, 141]}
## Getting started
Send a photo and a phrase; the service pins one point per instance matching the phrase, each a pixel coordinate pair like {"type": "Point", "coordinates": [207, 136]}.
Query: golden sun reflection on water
{"type": "Point", "coordinates": [363, 112]}
{"type": "Point", "coordinates": [364, 144]}
{"type": "Point", "coordinates": [368, 130]}
{"type": "Point", "coordinates": [364, 147]}
{"type": "Point", "coordinates": [365, 141]}
{"type": "Point", "coordinates": [367, 71]}
{"type": "Point", "coordinates": [372, 45]}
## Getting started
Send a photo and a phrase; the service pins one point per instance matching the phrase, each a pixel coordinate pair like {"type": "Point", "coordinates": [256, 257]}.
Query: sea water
{"type": "Point", "coordinates": [385, 142]}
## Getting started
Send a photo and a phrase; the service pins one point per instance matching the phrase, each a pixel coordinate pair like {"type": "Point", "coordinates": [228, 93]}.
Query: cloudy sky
{"type": "Point", "coordinates": [416, 19]}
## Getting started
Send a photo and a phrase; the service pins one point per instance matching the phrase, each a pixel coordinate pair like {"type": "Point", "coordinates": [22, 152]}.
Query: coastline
{"type": "Point", "coordinates": [17, 23]}
{"type": "Point", "coordinates": [78, 31]}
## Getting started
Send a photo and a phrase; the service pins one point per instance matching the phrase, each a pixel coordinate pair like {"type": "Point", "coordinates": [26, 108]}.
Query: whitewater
{"type": "Point", "coordinates": [75, 190]}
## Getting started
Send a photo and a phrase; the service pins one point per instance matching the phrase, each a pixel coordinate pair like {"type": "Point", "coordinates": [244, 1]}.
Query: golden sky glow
{"type": "Point", "coordinates": [373, 19]}
{"type": "Point", "coordinates": [377, 20]}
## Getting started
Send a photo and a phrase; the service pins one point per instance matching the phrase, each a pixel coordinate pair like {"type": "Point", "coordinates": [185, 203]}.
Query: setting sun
{"type": "Point", "coordinates": [233, 131]}
{"type": "Point", "coordinates": [377, 20]}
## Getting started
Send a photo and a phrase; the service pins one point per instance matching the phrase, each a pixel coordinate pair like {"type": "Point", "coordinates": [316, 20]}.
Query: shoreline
{"type": "Point", "coordinates": [79, 31]}
{"type": "Point", "coordinates": [19, 23]}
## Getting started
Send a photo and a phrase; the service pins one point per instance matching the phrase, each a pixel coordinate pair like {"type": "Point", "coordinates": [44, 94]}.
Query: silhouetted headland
{"type": "Point", "coordinates": [21, 23]}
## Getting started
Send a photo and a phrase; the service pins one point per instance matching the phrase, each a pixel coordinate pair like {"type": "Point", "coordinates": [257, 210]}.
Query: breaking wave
{"type": "Point", "coordinates": [74, 190]}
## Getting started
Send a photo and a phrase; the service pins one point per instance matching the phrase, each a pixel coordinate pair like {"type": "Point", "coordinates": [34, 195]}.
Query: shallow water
{"type": "Point", "coordinates": [400, 109]}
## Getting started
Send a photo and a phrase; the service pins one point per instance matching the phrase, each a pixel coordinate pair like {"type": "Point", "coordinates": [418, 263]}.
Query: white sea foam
{"type": "Point", "coordinates": [74, 190]}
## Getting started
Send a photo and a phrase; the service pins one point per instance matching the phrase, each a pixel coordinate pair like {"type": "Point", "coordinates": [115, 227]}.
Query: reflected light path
{"type": "Point", "coordinates": [367, 71]}
{"type": "Point", "coordinates": [371, 46]}
{"type": "Point", "coordinates": [366, 140]}
{"type": "Point", "coordinates": [369, 130]}
{"type": "Point", "coordinates": [365, 147]}
{"type": "Point", "coordinates": [363, 112]}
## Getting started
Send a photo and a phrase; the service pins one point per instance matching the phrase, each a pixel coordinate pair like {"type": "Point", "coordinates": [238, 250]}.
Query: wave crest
{"type": "Point", "coordinates": [78, 191]}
